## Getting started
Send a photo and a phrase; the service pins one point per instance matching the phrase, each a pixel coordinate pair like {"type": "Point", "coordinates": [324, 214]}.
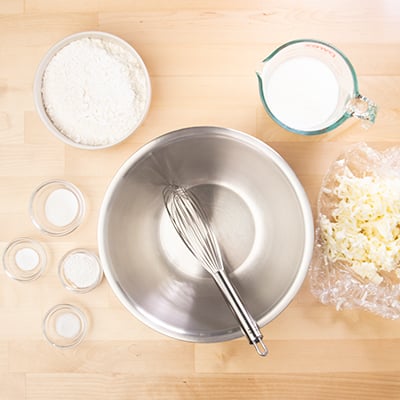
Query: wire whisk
{"type": "Point", "coordinates": [192, 224]}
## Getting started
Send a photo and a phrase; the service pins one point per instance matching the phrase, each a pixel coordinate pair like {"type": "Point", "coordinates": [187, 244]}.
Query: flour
{"type": "Point", "coordinates": [81, 269]}
{"type": "Point", "coordinates": [61, 207]}
{"type": "Point", "coordinates": [68, 325]}
{"type": "Point", "coordinates": [94, 91]}
{"type": "Point", "coordinates": [302, 93]}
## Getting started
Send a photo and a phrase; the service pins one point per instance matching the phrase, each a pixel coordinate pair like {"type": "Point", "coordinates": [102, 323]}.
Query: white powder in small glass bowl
{"type": "Point", "coordinates": [27, 258]}
{"type": "Point", "coordinates": [80, 271]}
{"type": "Point", "coordinates": [24, 259]}
{"type": "Point", "coordinates": [68, 325]}
{"type": "Point", "coordinates": [61, 207]}
{"type": "Point", "coordinates": [57, 207]}
{"type": "Point", "coordinates": [65, 326]}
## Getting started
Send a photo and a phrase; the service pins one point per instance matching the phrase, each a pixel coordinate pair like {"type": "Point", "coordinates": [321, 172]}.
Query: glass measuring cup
{"type": "Point", "coordinates": [310, 87]}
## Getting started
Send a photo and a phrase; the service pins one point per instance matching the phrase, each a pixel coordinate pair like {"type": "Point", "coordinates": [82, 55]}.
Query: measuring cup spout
{"type": "Point", "coordinates": [259, 71]}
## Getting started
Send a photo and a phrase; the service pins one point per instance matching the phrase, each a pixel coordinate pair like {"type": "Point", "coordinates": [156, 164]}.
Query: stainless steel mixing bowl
{"type": "Point", "coordinates": [257, 207]}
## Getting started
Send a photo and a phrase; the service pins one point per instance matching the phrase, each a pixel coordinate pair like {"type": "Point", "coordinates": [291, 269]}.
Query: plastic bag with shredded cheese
{"type": "Point", "coordinates": [356, 261]}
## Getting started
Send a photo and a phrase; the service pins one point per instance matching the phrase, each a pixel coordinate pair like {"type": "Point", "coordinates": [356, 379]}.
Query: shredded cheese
{"type": "Point", "coordinates": [364, 229]}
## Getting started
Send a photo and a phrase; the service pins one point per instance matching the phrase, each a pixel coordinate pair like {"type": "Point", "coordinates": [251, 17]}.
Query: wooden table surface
{"type": "Point", "coordinates": [201, 56]}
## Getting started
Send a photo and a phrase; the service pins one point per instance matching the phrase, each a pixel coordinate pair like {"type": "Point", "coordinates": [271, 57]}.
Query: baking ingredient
{"type": "Point", "coordinates": [61, 207]}
{"type": "Point", "coordinates": [68, 325]}
{"type": "Point", "coordinates": [302, 93]}
{"type": "Point", "coordinates": [81, 269]}
{"type": "Point", "coordinates": [364, 228]}
{"type": "Point", "coordinates": [94, 91]}
{"type": "Point", "coordinates": [27, 259]}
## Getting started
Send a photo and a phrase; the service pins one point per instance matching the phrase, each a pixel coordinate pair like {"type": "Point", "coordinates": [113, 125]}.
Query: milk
{"type": "Point", "coordinates": [301, 92]}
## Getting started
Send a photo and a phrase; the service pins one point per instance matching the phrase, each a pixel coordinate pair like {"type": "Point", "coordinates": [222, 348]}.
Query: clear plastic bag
{"type": "Point", "coordinates": [333, 281]}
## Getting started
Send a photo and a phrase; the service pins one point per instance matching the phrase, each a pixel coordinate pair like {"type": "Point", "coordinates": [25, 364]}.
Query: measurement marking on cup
{"type": "Point", "coordinates": [323, 48]}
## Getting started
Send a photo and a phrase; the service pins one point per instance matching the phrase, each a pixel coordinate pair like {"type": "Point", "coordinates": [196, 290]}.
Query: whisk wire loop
{"type": "Point", "coordinates": [193, 226]}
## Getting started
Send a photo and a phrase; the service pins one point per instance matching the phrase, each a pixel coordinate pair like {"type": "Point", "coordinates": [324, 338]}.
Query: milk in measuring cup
{"type": "Point", "coordinates": [302, 92]}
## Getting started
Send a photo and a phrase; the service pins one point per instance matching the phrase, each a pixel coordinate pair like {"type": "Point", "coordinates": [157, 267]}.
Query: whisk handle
{"type": "Point", "coordinates": [247, 323]}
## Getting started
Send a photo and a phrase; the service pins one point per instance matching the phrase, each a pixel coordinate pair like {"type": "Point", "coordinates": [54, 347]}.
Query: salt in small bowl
{"type": "Point", "coordinates": [57, 207]}
{"type": "Point", "coordinates": [65, 326]}
{"type": "Point", "coordinates": [24, 260]}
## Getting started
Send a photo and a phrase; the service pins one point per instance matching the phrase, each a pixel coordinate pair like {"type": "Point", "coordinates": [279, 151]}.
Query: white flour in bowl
{"type": "Point", "coordinates": [94, 91]}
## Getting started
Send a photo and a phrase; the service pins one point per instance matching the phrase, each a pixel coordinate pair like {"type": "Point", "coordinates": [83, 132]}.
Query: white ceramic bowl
{"type": "Point", "coordinates": [38, 82]}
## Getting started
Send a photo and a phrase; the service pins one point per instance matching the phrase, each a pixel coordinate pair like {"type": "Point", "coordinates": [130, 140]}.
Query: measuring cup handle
{"type": "Point", "coordinates": [362, 108]}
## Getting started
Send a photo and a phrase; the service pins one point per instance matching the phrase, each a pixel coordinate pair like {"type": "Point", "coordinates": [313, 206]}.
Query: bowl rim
{"type": "Point", "coordinates": [184, 134]}
{"type": "Point", "coordinates": [38, 78]}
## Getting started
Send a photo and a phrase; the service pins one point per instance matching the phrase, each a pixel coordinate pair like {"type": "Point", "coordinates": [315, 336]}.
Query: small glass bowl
{"type": "Point", "coordinates": [24, 259]}
{"type": "Point", "coordinates": [76, 264]}
{"type": "Point", "coordinates": [43, 207]}
{"type": "Point", "coordinates": [65, 326]}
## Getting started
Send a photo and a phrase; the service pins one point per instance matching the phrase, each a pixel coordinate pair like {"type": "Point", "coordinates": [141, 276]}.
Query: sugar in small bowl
{"type": "Point", "coordinates": [24, 259]}
{"type": "Point", "coordinates": [65, 326]}
{"type": "Point", "coordinates": [80, 271]}
{"type": "Point", "coordinates": [57, 207]}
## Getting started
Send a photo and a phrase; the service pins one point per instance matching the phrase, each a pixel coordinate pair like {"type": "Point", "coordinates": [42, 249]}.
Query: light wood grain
{"type": "Point", "coordinates": [202, 57]}
{"type": "Point", "coordinates": [218, 386]}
